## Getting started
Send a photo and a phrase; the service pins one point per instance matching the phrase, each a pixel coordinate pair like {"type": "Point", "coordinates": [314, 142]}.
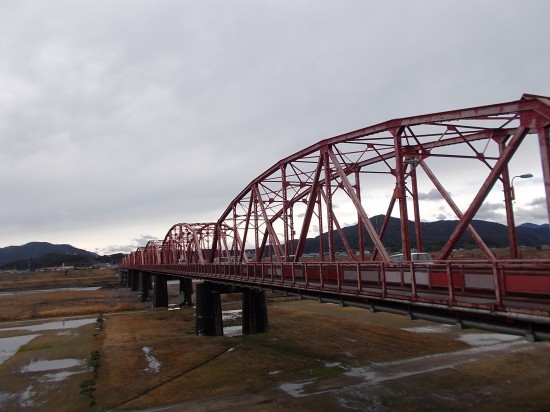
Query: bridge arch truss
{"type": "Point", "coordinates": [314, 190]}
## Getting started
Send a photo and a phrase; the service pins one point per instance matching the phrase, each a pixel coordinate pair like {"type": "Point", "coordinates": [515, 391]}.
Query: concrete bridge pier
{"type": "Point", "coordinates": [144, 286]}
{"type": "Point", "coordinates": [128, 278]}
{"type": "Point", "coordinates": [122, 277]}
{"type": "Point", "coordinates": [160, 291]}
{"type": "Point", "coordinates": [134, 280]}
{"type": "Point", "coordinates": [208, 310]}
{"type": "Point", "coordinates": [254, 311]}
{"type": "Point", "coordinates": [186, 292]}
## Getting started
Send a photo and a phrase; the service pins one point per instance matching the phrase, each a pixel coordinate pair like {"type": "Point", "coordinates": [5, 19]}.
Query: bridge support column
{"type": "Point", "coordinates": [254, 311]}
{"type": "Point", "coordinates": [209, 310]}
{"type": "Point", "coordinates": [134, 281]}
{"type": "Point", "coordinates": [128, 279]}
{"type": "Point", "coordinates": [144, 286]}
{"type": "Point", "coordinates": [186, 292]}
{"type": "Point", "coordinates": [160, 291]}
{"type": "Point", "coordinates": [122, 277]}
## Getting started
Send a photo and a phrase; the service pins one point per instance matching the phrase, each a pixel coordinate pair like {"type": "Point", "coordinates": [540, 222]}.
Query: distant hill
{"type": "Point", "coordinates": [533, 226]}
{"type": "Point", "coordinates": [35, 250]}
{"type": "Point", "coordinates": [435, 234]}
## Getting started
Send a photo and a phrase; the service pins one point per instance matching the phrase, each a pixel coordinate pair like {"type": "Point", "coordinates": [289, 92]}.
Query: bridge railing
{"type": "Point", "coordinates": [462, 283]}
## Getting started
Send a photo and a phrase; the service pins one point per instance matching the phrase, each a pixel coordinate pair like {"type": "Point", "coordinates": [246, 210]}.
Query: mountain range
{"type": "Point", "coordinates": [434, 235]}
{"type": "Point", "coordinates": [35, 250]}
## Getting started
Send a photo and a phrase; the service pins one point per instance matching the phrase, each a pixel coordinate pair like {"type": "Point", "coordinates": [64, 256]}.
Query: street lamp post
{"type": "Point", "coordinates": [524, 176]}
{"type": "Point", "coordinates": [509, 197]}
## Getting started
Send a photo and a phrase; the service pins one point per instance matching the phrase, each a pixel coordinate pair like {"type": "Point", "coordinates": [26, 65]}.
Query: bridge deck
{"type": "Point", "coordinates": [504, 289]}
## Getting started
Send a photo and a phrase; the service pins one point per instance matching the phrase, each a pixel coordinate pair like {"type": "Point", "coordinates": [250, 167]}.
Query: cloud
{"type": "Point", "coordinates": [493, 212]}
{"type": "Point", "coordinates": [118, 118]}
{"type": "Point", "coordinates": [431, 195]}
{"type": "Point", "coordinates": [539, 201]}
{"type": "Point", "coordinates": [137, 242]}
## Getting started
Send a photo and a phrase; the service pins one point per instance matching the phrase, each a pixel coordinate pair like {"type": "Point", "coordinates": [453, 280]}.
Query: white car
{"type": "Point", "coordinates": [416, 257]}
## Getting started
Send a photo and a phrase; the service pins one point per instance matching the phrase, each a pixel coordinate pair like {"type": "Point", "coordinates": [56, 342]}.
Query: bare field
{"type": "Point", "coordinates": [46, 301]}
{"type": "Point", "coordinates": [315, 357]}
{"type": "Point", "coordinates": [13, 281]}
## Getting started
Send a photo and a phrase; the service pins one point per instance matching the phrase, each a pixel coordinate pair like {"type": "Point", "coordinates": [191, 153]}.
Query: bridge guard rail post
{"type": "Point", "coordinates": [254, 311]}
{"type": "Point", "coordinates": [209, 320]}
{"type": "Point", "coordinates": [498, 283]}
{"type": "Point", "coordinates": [160, 291]}
{"type": "Point", "coordinates": [186, 292]}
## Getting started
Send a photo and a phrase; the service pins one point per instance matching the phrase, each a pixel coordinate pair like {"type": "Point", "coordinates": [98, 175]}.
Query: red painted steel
{"type": "Point", "coordinates": [260, 237]}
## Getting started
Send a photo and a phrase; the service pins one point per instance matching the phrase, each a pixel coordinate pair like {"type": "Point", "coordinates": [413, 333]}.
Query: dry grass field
{"type": "Point", "coordinates": [315, 357]}
{"type": "Point", "coordinates": [52, 302]}
{"type": "Point", "coordinates": [13, 281]}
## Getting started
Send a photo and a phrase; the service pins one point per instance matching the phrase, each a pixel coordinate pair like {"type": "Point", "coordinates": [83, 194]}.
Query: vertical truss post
{"type": "Point", "coordinates": [284, 185]}
{"type": "Point", "coordinates": [215, 240]}
{"type": "Point", "coordinates": [246, 226]}
{"type": "Point", "coordinates": [234, 244]}
{"type": "Point", "coordinates": [544, 143]}
{"type": "Point", "coordinates": [330, 220]}
{"type": "Point", "coordinates": [512, 238]}
{"type": "Point", "coordinates": [292, 233]}
{"type": "Point", "coordinates": [256, 228]}
{"type": "Point", "coordinates": [320, 216]}
{"type": "Point", "coordinates": [416, 209]}
{"type": "Point", "coordinates": [361, 232]}
{"type": "Point", "coordinates": [401, 195]}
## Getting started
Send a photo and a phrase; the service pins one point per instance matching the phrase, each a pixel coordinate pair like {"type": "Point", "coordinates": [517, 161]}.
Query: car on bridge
{"type": "Point", "coordinates": [416, 257]}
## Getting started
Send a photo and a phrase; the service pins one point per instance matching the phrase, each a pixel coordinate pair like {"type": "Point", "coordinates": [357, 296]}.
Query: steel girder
{"type": "Point", "coordinates": [194, 243]}
{"type": "Point", "coordinates": [306, 193]}
{"type": "Point", "coordinates": [152, 252]}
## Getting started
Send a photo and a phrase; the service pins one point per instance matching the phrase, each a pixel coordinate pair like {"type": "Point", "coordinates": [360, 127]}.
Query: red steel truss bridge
{"type": "Point", "coordinates": [260, 240]}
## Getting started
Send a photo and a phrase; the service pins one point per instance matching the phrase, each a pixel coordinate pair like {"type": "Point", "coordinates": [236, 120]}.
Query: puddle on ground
{"type": "Point", "coordinates": [232, 330]}
{"type": "Point", "coordinates": [295, 389]}
{"type": "Point", "coordinates": [10, 346]}
{"type": "Point", "coordinates": [28, 292]}
{"type": "Point", "coordinates": [232, 314]}
{"type": "Point", "coordinates": [25, 399]}
{"type": "Point", "coordinates": [429, 329]}
{"type": "Point", "coordinates": [153, 363]}
{"type": "Point", "coordinates": [64, 324]}
{"type": "Point", "coordinates": [49, 365]}
{"type": "Point", "coordinates": [484, 339]}
{"type": "Point", "coordinates": [43, 373]}
{"type": "Point", "coordinates": [60, 376]}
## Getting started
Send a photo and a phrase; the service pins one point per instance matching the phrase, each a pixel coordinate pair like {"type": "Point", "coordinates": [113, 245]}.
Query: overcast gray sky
{"type": "Point", "coordinates": [121, 118]}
